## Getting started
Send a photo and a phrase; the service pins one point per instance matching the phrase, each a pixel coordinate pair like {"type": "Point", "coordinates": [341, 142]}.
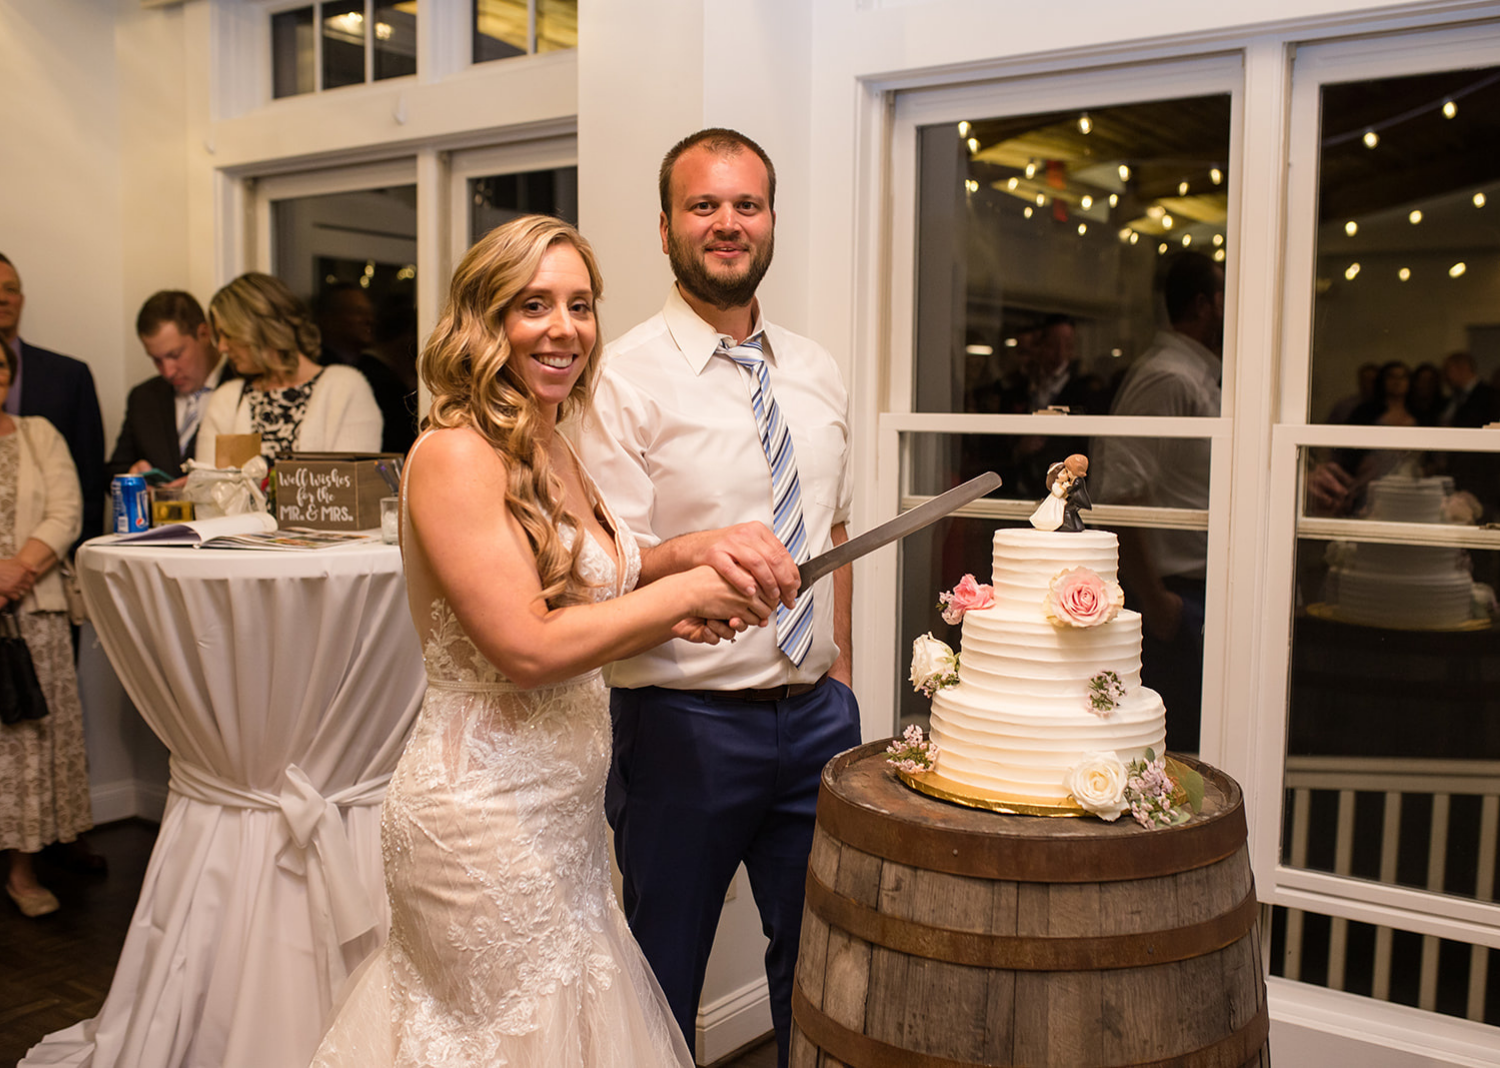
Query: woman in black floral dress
{"type": "Point", "coordinates": [295, 404]}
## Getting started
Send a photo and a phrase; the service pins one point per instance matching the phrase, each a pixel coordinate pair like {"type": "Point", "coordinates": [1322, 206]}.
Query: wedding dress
{"type": "Point", "coordinates": [506, 946]}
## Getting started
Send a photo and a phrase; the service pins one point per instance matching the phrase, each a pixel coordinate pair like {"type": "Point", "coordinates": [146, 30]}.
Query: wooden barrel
{"type": "Point", "coordinates": [937, 936]}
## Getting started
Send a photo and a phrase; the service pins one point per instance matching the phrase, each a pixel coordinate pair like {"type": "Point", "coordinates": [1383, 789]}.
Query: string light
{"type": "Point", "coordinates": [1126, 234]}
{"type": "Point", "coordinates": [1030, 169]}
{"type": "Point", "coordinates": [1083, 228]}
{"type": "Point", "coordinates": [1182, 188]}
{"type": "Point", "coordinates": [1404, 273]}
{"type": "Point", "coordinates": [1415, 216]}
{"type": "Point", "coordinates": [1351, 272]}
{"type": "Point", "coordinates": [1041, 200]}
{"type": "Point", "coordinates": [1479, 200]}
{"type": "Point", "coordinates": [971, 185]}
{"type": "Point", "coordinates": [1011, 185]}
{"type": "Point", "coordinates": [1027, 211]}
{"type": "Point", "coordinates": [1166, 222]}
{"type": "Point", "coordinates": [1161, 249]}
{"type": "Point", "coordinates": [1085, 124]}
{"type": "Point", "coordinates": [1011, 342]}
{"type": "Point", "coordinates": [1114, 198]}
{"type": "Point", "coordinates": [1351, 228]}
{"type": "Point", "coordinates": [1117, 353]}
{"type": "Point", "coordinates": [1187, 239]}
{"type": "Point", "coordinates": [1134, 237]}
{"type": "Point", "coordinates": [1218, 240]}
{"type": "Point", "coordinates": [963, 128]}
{"type": "Point", "coordinates": [1218, 255]}
{"type": "Point", "coordinates": [1371, 139]}
{"type": "Point", "coordinates": [1457, 269]}
{"type": "Point", "coordinates": [1216, 176]}
{"type": "Point", "coordinates": [1087, 202]}
{"type": "Point", "coordinates": [1124, 173]}
{"type": "Point", "coordinates": [973, 145]}
{"type": "Point", "coordinates": [1450, 109]}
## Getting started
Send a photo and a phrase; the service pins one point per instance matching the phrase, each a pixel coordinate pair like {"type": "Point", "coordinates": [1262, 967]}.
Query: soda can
{"type": "Point", "coordinates": [131, 504]}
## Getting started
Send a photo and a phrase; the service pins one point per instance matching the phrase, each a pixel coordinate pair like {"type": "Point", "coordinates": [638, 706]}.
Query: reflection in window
{"type": "Point", "coordinates": [1040, 237]}
{"type": "Point", "coordinates": [506, 28]}
{"type": "Point", "coordinates": [501, 197]}
{"type": "Point", "coordinates": [351, 30]}
{"type": "Point", "coordinates": [1408, 252]}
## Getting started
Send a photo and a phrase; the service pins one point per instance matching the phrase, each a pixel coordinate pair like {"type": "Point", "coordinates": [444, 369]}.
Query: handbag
{"type": "Point", "coordinates": [21, 694]}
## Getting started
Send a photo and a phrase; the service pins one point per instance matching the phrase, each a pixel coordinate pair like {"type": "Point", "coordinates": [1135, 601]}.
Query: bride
{"type": "Point", "coordinates": [506, 945]}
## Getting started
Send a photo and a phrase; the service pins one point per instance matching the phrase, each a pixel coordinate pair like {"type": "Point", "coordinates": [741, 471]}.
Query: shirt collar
{"type": "Point", "coordinates": [696, 339]}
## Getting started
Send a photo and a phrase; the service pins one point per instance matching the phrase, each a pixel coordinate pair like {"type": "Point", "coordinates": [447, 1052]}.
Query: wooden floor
{"type": "Point", "coordinates": [56, 970]}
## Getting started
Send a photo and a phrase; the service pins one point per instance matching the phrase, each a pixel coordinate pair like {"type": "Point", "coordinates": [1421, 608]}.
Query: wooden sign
{"type": "Point", "coordinates": [332, 491]}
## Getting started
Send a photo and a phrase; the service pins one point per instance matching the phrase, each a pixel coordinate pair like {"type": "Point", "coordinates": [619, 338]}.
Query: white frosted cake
{"type": "Point", "coordinates": [1021, 714]}
{"type": "Point", "coordinates": [1416, 586]}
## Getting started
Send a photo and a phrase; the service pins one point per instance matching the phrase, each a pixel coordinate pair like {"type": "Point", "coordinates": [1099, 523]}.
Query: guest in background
{"type": "Point", "coordinates": [162, 413]}
{"type": "Point", "coordinates": [1425, 399]}
{"type": "Point", "coordinates": [1472, 401]}
{"type": "Point", "coordinates": [347, 320]}
{"type": "Point", "coordinates": [61, 390]}
{"type": "Point", "coordinates": [44, 782]}
{"type": "Point", "coordinates": [1387, 405]}
{"type": "Point", "coordinates": [1344, 407]}
{"type": "Point", "coordinates": [295, 404]}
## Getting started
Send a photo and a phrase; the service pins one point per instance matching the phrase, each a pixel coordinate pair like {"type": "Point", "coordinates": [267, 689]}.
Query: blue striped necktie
{"type": "Point", "coordinates": [793, 625]}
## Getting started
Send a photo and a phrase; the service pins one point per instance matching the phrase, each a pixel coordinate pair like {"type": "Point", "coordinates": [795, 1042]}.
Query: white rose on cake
{"type": "Point", "coordinates": [1097, 783]}
{"type": "Point", "coordinates": [933, 665]}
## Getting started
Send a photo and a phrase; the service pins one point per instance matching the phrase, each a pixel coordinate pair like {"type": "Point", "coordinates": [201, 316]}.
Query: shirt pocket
{"type": "Point", "coordinates": [821, 472]}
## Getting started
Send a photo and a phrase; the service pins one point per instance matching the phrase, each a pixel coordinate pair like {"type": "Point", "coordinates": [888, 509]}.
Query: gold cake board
{"type": "Point", "coordinates": [1331, 614]}
{"type": "Point", "coordinates": [944, 789]}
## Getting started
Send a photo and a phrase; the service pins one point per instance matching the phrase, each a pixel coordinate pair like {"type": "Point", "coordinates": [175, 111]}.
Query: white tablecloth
{"type": "Point", "coordinates": [284, 684]}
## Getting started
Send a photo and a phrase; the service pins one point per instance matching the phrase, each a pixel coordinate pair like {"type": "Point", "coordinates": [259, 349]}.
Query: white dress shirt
{"type": "Point", "coordinates": [672, 443]}
{"type": "Point", "coordinates": [1175, 376]}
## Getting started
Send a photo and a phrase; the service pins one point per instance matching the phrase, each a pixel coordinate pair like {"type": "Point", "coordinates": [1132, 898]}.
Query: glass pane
{"type": "Point", "coordinates": [1042, 247]}
{"type": "Point", "coordinates": [292, 52]}
{"type": "Point", "coordinates": [501, 29]}
{"type": "Point", "coordinates": [1386, 964]}
{"type": "Point", "coordinates": [1408, 252]}
{"type": "Point", "coordinates": [556, 25]}
{"type": "Point", "coordinates": [501, 197]}
{"type": "Point", "coordinates": [352, 257]}
{"type": "Point", "coordinates": [1393, 740]}
{"type": "Point", "coordinates": [395, 38]}
{"type": "Point", "coordinates": [343, 43]}
{"type": "Point", "coordinates": [1162, 570]}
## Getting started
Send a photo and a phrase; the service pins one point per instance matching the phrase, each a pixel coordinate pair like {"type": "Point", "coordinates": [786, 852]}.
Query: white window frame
{"type": "Point", "coordinates": [545, 153]}
{"type": "Point", "coordinates": [1342, 897]}
{"type": "Point", "coordinates": [1164, 80]}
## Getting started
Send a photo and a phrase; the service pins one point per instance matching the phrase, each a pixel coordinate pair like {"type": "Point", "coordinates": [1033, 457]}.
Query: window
{"type": "Point", "coordinates": [1061, 258]}
{"type": "Point", "coordinates": [342, 42]}
{"type": "Point", "coordinates": [506, 28]}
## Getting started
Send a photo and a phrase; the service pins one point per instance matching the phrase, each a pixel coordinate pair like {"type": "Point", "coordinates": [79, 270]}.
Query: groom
{"type": "Point", "coordinates": [726, 443]}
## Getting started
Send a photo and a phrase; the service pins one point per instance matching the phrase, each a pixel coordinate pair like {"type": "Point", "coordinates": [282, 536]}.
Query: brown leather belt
{"type": "Point", "coordinates": [761, 693]}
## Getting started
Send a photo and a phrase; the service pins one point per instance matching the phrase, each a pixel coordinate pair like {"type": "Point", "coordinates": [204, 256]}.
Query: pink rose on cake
{"type": "Point", "coordinates": [1080, 598]}
{"type": "Point", "coordinates": [966, 595]}
{"type": "Point", "coordinates": [1097, 782]}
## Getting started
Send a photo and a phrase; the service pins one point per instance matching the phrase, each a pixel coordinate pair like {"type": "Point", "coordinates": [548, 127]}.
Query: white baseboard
{"type": "Point", "coordinates": [1312, 1028]}
{"type": "Point", "coordinates": [125, 798]}
{"type": "Point", "coordinates": [732, 1021]}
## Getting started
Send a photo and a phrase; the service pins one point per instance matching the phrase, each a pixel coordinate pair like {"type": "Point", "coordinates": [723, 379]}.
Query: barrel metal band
{"type": "Point", "coordinates": [1027, 953]}
{"type": "Point", "coordinates": [861, 1051]}
{"type": "Point", "coordinates": [1016, 858]}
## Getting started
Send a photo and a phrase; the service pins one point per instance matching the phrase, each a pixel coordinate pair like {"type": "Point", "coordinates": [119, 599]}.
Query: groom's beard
{"type": "Point", "coordinates": [720, 290]}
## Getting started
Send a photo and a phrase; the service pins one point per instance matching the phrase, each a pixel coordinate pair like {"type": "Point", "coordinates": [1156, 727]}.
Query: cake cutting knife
{"type": "Point", "coordinates": [922, 515]}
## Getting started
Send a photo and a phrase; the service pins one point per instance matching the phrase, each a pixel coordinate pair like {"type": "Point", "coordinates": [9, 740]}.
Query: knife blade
{"type": "Point", "coordinates": [922, 515]}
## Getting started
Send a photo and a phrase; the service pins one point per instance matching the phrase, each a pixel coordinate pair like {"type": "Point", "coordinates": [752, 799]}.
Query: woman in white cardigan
{"type": "Point", "coordinates": [44, 782]}
{"type": "Point", "coordinates": [293, 403]}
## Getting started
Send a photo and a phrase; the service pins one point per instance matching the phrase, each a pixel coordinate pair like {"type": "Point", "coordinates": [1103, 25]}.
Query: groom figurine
{"type": "Point", "coordinates": [724, 441]}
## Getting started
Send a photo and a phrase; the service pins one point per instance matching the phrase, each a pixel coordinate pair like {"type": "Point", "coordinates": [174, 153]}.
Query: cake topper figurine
{"type": "Point", "coordinates": [1066, 494]}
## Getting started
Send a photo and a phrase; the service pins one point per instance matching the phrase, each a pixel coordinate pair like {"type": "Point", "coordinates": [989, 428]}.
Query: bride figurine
{"type": "Point", "coordinates": [1066, 494]}
{"type": "Point", "coordinates": [506, 945]}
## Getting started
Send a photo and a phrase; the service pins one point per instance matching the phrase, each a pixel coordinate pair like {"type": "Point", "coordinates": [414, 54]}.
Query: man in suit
{"type": "Point", "coordinates": [61, 389]}
{"type": "Point", "coordinates": [162, 413]}
{"type": "Point", "coordinates": [1473, 401]}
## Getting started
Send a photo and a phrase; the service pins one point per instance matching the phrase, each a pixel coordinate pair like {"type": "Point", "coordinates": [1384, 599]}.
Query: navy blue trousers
{"type": "Point", "coordinates": [700, 784]}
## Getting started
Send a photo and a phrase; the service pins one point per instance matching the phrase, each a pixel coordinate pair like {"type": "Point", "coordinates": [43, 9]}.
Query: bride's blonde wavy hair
{"type": "Point", "coordinates": [466, 365]}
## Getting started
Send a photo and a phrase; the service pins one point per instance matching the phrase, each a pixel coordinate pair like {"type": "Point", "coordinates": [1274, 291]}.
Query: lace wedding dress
{"type": "Point", "coordinates": [507, 946]}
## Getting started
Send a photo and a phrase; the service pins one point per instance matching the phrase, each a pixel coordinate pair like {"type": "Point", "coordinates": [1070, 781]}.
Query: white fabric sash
{"type": "Point", "coordinates": [313, 821]}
